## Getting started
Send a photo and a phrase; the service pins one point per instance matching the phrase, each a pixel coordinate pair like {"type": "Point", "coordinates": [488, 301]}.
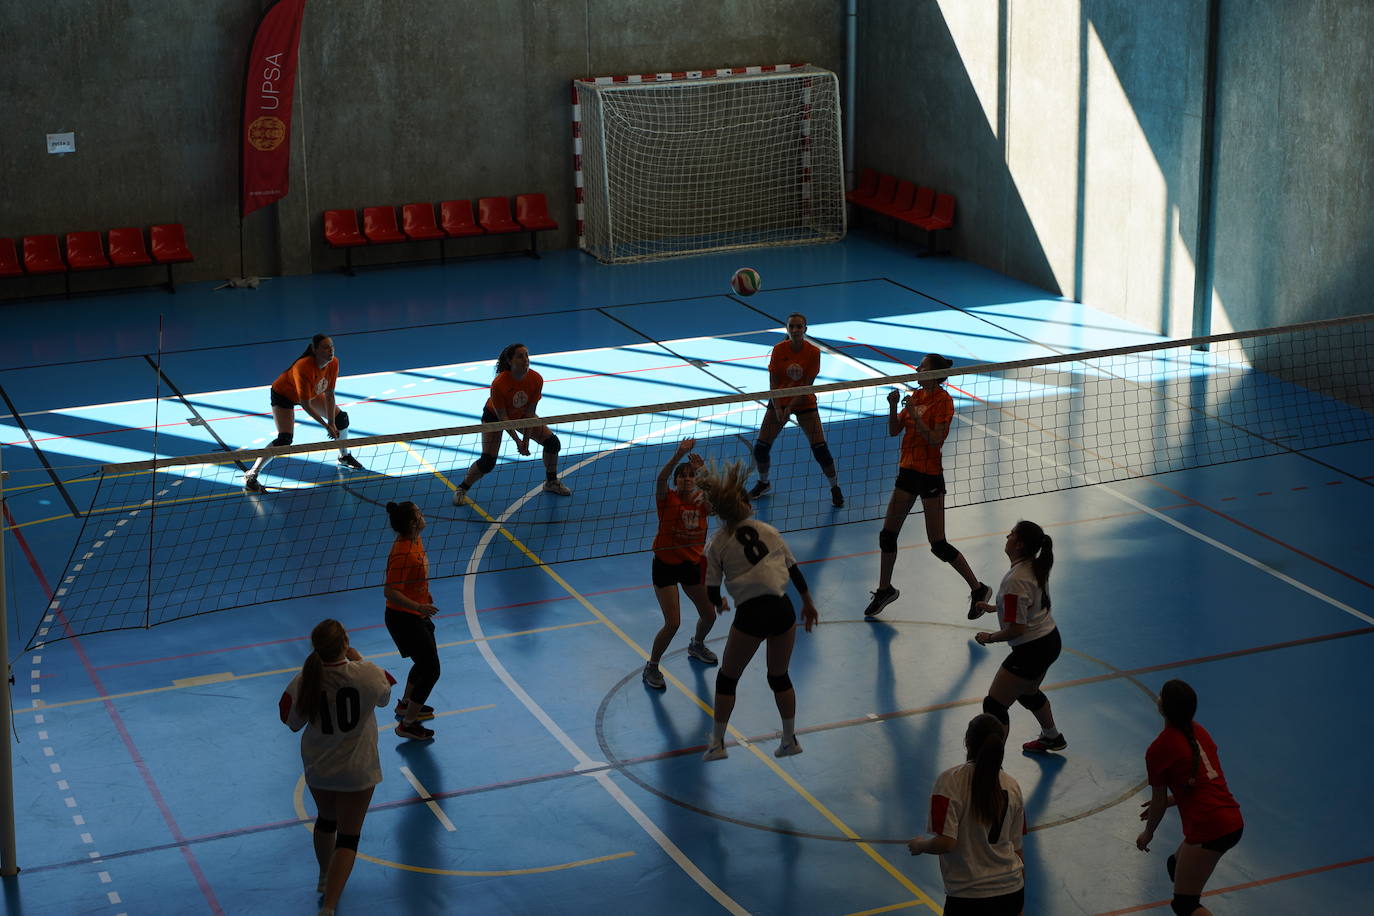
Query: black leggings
{"type": "Point", "coordinates": [414, 637]}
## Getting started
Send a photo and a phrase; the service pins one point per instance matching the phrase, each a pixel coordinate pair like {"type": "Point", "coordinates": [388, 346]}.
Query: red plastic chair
{"type": "Point", "coordinates": [341, 231]}
{"type": "Point", "coordinates": [127, 248]}
{"type": "Point", "coordinates": [532, 212]}
{"type": "Point", "coordinates": [493, 213]}
{"type": "Point", "coordinates": [941, 218]}
{"type": "Point", "coordinates": [456, 218]}
{"type": "Point", "coordinates": [9, 259]}
{"type": "Point", "coordinates": [379, 225]}
{"type": "Point", "coordinates": [868, 184]}
{"type": "Point", "coordinates": [902, 200]}
{"type": "Point", "coordinates": [84, 251]}
{"type": "Point", "coordinates": [920, 207]}
{"type": "Point", "coordinates": [169, 247]}
{"type": "Point", "coordinates": [417, 220]}
{"type": "Point", "coordinates": [41, 255]}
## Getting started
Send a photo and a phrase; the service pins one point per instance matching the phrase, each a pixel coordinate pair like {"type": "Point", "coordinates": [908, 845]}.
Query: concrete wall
{"type": "Point", "coordinates": [396, 102]}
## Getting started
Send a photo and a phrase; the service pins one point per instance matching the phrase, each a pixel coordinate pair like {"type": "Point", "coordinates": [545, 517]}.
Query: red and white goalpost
{"type": "Point", "coordinates": [682, 163]}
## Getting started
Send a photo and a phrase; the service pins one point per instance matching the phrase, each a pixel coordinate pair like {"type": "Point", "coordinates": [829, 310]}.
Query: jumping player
{"type": "Point", "coordinates": [924, 420]}
{"type": "Point", "coordinates": [795, 363]}
{"type": "Point", "coordinates": [678, 560]}
{"type": "Point", "coordinates": [755, 563]}
{"type": "Point", "coordinates": [308, 384]}
{"type": "Point", "coordinates": [514, 393]}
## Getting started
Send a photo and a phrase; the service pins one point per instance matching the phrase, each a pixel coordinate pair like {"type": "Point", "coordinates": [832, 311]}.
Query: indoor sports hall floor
{"type": "Point", "coordinates": [152, 775]}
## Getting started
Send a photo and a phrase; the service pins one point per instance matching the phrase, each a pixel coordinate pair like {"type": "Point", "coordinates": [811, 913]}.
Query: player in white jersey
{"type": "Point", "coordinates": [333, 699]}
{"type": "Point", "coordinates": [754, 562]}
{"type": "Point", "coordinates": [977, 819]}
{"type": "Point", "coordinates": [1023, 607]}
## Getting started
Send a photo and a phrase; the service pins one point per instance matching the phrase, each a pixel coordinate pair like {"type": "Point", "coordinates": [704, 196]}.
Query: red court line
{"type": "Point", "coordinates": [139, 763]}
{"type": "Point", "coordinates": [1247, 885]}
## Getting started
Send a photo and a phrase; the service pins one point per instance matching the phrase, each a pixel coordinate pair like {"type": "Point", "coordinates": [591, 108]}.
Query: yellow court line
{"type": "Point", "coordinates": [298, 800]}
{"type": "Point", "coordinates": [768, 761]}
{"type": "Point", "coordinates": [256, 674]}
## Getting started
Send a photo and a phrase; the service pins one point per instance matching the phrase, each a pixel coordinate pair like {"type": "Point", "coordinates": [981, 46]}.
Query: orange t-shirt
{"type": "Point", "coordinates": [516, 397]}
{"type": "Point", "coordinates": [790, 369]}
{"type": "Point", "coordinates": [306, 380]}
{"type": "Point", "coordinates": [934, 406]}
{"type": "Point", "coordinates": [407, 571]}
{"type": "Point", "coordinates": [681, 534]}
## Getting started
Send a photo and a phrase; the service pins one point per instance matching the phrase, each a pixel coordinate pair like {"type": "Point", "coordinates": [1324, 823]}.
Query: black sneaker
{"type": "Point", "coordinates": [414, 731]}
{"type": "Point", "coordinates": [759, 489]}
{"type": "Point", "coordinates": [426, 712]}
{"type": "Point", "coordinates": [837, 497]}
{"type": "Point", "coordinates": [349, 461]}
{"type": "Point", "coordinates": [976, 597]}
{"type": "Point", "coordinates": [881, 599]}
{"type": "Point", "coordinates": [1044, 745]}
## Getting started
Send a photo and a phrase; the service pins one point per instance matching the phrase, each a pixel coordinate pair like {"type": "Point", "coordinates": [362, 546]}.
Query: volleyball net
{"type": "Point", "coordinates": [170, 538]}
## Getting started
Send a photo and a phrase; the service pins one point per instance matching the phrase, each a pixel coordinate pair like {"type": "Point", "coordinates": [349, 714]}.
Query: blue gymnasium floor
{"type": "Point", "coordinates": [152, 775]}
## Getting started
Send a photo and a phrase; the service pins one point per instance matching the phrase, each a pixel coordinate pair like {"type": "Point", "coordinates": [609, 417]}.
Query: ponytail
{"type": "Point", "coordinates": [402, 517]}
{"type": "Point", "coordinates": [985, 742]}
{"type": "Point", "coordinates": [1178, 705]}
{"type": "Point", "coordinates": [314, 342]}
{"type": "Point", "coordinates": [723, 488]}
{"type": "Point", "coordinates": [327, 640]}
{"type": "Point", "coordinates": [1039, 548]}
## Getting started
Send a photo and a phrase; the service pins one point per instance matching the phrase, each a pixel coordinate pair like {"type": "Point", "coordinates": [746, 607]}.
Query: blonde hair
{"type": "Point", "coordinates": [723, 488]}
{"type": "Point", "coordinates": [328, 639]}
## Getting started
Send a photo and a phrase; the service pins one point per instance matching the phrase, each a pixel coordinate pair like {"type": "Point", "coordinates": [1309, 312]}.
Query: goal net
{"type": "Point", "coordinates": [684, 163]}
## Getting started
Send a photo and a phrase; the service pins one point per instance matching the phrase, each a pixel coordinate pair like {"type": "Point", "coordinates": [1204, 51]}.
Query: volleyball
{"type": "Point", "coordinates": [746, 281]}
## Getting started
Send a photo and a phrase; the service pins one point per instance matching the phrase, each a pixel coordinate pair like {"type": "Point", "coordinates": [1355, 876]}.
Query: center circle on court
{"type": "Point", "coordinates": [945, 638]}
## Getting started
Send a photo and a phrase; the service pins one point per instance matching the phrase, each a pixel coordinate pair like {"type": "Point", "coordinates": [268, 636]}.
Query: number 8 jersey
{"type": "Point", "coordinates": [339, 749]}
{"type": "Point", "coordinates": [753, 559]}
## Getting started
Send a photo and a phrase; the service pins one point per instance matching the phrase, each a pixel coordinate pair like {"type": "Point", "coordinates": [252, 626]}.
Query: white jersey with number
{"type": "Point", "coordinates": [752, 559]}
{"type": "Point", "coordinates": [339, 749]}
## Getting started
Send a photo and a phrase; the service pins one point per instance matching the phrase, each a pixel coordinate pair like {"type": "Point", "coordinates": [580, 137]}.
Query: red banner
{"type": "Point", "coordinates": [268, 86]}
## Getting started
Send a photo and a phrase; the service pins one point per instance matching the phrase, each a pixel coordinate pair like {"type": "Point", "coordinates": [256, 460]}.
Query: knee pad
{"type": "Point", "coordinates": [341, 420]}
{"type": "Point", "coordinates": [725, 685]}
{"type": "Point", "coordinates": [346, 841]}
{"type": "Point", "coordinates": [325, 826]}
{"type": "Point", "coordinates": [486, 463]}
{"type": "Point", "coordinates": [1033, 701]}
{"type": "Point", "coordinates": [283, 439]}
{"type": "Point", "coordinates": [551, 445]}
{"type": "Point", "coordinates": [761, 452]}
{"type": "Point", "coordinates": [887, 541]}
{"type": "Point", "coordinates": [1185, 904]}
{"type": "Point", "coordinates": [781, 683]}
{"type": "Point", "coordinates": [994, 708]}
{"type": "Point", "coordinates": [944, 551]}
{"type": "Point", "coordinates": [822, 453]}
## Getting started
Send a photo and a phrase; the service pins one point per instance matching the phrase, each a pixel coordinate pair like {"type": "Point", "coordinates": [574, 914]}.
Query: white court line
{"type": "Point", "coordinates": [430, 803]}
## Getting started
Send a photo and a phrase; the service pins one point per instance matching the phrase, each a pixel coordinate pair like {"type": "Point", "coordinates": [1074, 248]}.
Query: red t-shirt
{"type": "Point", "coordinates": [934, 406]}
{"type": "Point", "coordinates": [788, 368]}
{"type": "Point", "coordinates": [681, 535]}
{"type": "Point", "coordinates": [1206, 807]}
{"type": "Point", "coordinates": [517, 398]}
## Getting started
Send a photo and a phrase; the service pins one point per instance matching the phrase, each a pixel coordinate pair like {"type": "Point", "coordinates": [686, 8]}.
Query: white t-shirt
{"type": "Point", "coordinates": [984, 861]}
{"type": "Point", "coordinates": [1021, 600]}
{"type": "Point", "coordinates": [339, 749]}
{"type": "Point", "coordinates": [753, 559]}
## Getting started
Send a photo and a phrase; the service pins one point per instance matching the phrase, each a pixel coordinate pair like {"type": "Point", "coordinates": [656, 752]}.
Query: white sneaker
{"type": "Point", "coordinates": [714, 752]}
{"type": "Point", "coordinates": [556, 487]}
{"type": "Point", "coordinates": [787, 749]}
{"type": "Point", "coordinates": [251, 485]}
{"type": "Point", "coordinates": [460, 497]}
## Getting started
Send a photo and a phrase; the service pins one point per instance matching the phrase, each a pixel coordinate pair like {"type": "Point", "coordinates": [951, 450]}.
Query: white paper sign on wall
{"type": "Point", "coordinates": [62, 143]}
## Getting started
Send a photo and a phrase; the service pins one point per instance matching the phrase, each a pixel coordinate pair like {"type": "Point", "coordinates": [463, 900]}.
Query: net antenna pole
{"type": "Point", "coordinates": [9, 863]}
{"type": "Point", "coordinates": [152, 480]}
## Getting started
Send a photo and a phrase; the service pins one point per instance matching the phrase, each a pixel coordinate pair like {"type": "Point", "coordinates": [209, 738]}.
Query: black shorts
{"type": "Point", "coordinates": [1224, 843]}
{"type": "Point", "coordinates": [765, 616]}
{"type": "Point", "coordinates": [1003, 905]}
{"type": "Point", "coordinates": [279, 401]}
{"type": "Point", "coordinates": [1031, 660]}
{"type": "Point", "coordinates": [666, 575]}
{"type": "Point", "coordinates": [926, 486]}
{"type": "Point", "coordinates": [412, 634]}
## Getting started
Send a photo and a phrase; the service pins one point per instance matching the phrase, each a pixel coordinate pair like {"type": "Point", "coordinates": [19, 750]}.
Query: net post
{"type": "Point", "coordinates": [9, 864]}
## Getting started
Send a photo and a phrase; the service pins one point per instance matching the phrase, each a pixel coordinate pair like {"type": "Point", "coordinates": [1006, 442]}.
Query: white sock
{"type": "Point", "coordinates": [343, 449]}
{"type": "Point", "coordinates": [717, 733]}
{"type": "Point", "coordinates": [789, 731]}
{"type": "Point", "coordinates": [1050, 733]}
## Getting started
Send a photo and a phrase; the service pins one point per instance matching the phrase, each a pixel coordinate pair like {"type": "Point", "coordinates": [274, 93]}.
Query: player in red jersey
{"type": "Point", "coordinates": [514, 393]}
{"type": "Point", "coordinates": [795, 363]}
{"type": "Point", "coordinates": [1183, 761]}
{"type": "Point", "coordinates": [678, 560]}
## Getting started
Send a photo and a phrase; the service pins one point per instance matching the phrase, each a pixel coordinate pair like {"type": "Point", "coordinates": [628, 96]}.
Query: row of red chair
{"type": "Point", "coordinates": [455, 221]}
{"type": "Point", "coordinates": [86, 251]}
{"type": "Point", "coordinates": [904, 202]}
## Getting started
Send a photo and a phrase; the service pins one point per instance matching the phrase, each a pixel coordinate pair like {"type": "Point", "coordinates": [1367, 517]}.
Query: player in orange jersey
{"type": "Point", "coordinates": [409, 617]}
{"type": "Point", "coordinates": [925, 421]}
{"type": "Point", "coordinates": [795, 363]}
{"type": "Point", "coordinates": [308, 384]}
{"type": "Point", "coordinates": [678, 560]}
{"type": "Point", "coordinates": [514, 393]}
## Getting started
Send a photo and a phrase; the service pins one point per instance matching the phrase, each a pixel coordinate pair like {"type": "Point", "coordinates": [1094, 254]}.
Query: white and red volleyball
{"type": "Point", "coordinates": [746, 281]}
